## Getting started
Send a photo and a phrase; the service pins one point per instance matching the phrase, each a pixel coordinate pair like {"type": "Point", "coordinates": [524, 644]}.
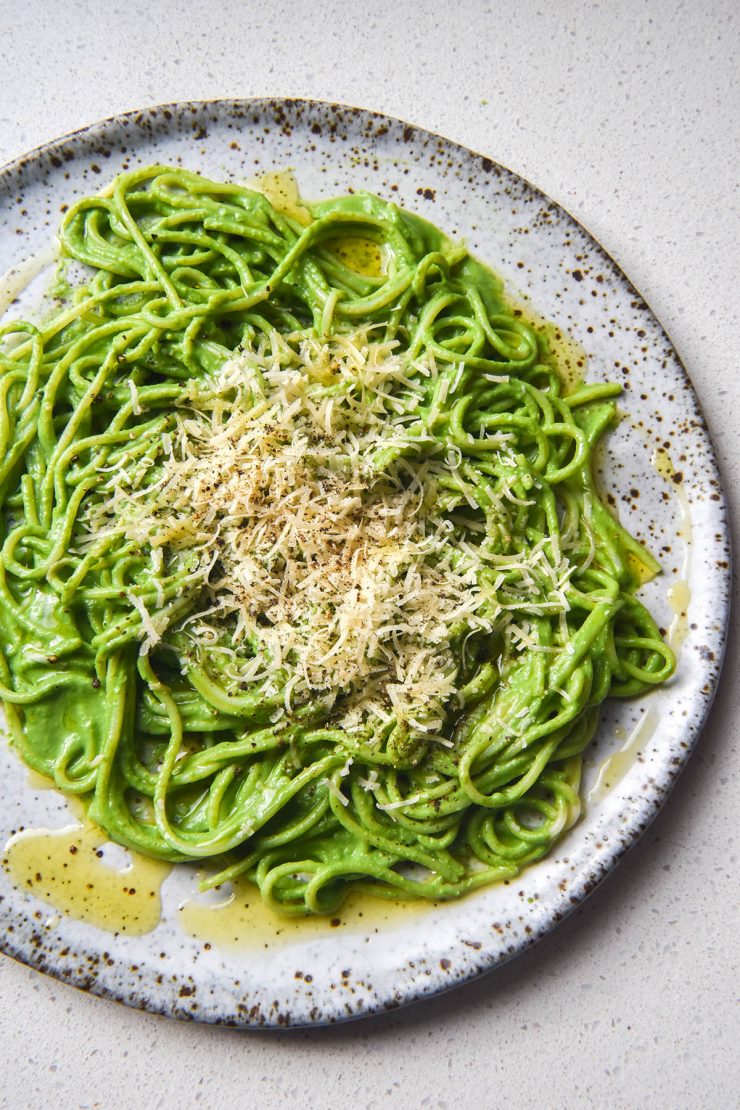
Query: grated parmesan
{"type": "Point", "coordinates": [323, 553]}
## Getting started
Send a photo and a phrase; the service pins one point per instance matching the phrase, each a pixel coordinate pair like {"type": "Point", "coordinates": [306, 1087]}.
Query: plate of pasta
{"type": "Point", "coordinates": [364, 561]}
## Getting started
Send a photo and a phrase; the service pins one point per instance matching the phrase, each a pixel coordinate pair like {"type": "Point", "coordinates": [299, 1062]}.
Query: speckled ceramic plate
{"type": "Point", "coordinates": [659, 464]}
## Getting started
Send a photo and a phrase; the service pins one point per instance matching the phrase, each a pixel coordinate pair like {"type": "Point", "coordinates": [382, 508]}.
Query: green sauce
{"type": "Point", "coordinates": [106, 691]}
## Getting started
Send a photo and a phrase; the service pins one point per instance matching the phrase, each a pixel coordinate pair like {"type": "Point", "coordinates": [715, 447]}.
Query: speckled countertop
{"type": "Point", "coordinates": [625, 114]}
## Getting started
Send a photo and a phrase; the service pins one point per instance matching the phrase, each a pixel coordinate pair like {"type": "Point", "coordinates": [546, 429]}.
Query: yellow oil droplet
{"type": "Point", "coordinates": [662, 463]}
{"type": "Point", "coordinates": [679, 597]}
{"type": "Point", "coordinates": [564, 353]}
{"type": "Point", "coordinates": [613, 769]}
{"type": "Point", "coordinates": [38, 782]}
{"type": "Point", "coordinates": [639, 571]}
{"type": "Point", "coordinates": [241, 920]}
{"type": "Point", "coordinates": [66, 868]}
{"type": "Point", "coordinates": [281, 189]}
{"type": "Point", "coordinates": [363, 256]}
{"type": "Point", "coordinates": [679, 592]}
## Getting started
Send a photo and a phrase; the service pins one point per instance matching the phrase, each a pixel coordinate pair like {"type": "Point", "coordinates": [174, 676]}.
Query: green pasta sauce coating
{"type": "Point", "coordinates": [202, 737]}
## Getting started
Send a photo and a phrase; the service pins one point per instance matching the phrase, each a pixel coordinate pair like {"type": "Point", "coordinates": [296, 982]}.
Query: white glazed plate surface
{"type": "Point", "coordinates": [659, 465]}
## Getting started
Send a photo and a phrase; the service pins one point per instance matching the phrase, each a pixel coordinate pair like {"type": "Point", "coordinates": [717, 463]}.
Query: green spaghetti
{"type": "Point", "coordinates": [304, 571]}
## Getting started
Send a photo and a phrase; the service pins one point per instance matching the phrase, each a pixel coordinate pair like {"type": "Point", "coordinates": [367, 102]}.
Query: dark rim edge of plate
{"type": "Point", "coordinates": [584, 885]}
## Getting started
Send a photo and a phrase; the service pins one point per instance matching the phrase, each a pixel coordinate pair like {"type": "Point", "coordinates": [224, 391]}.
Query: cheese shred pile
{"type": "Point", "coordinates": [316, 554]}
